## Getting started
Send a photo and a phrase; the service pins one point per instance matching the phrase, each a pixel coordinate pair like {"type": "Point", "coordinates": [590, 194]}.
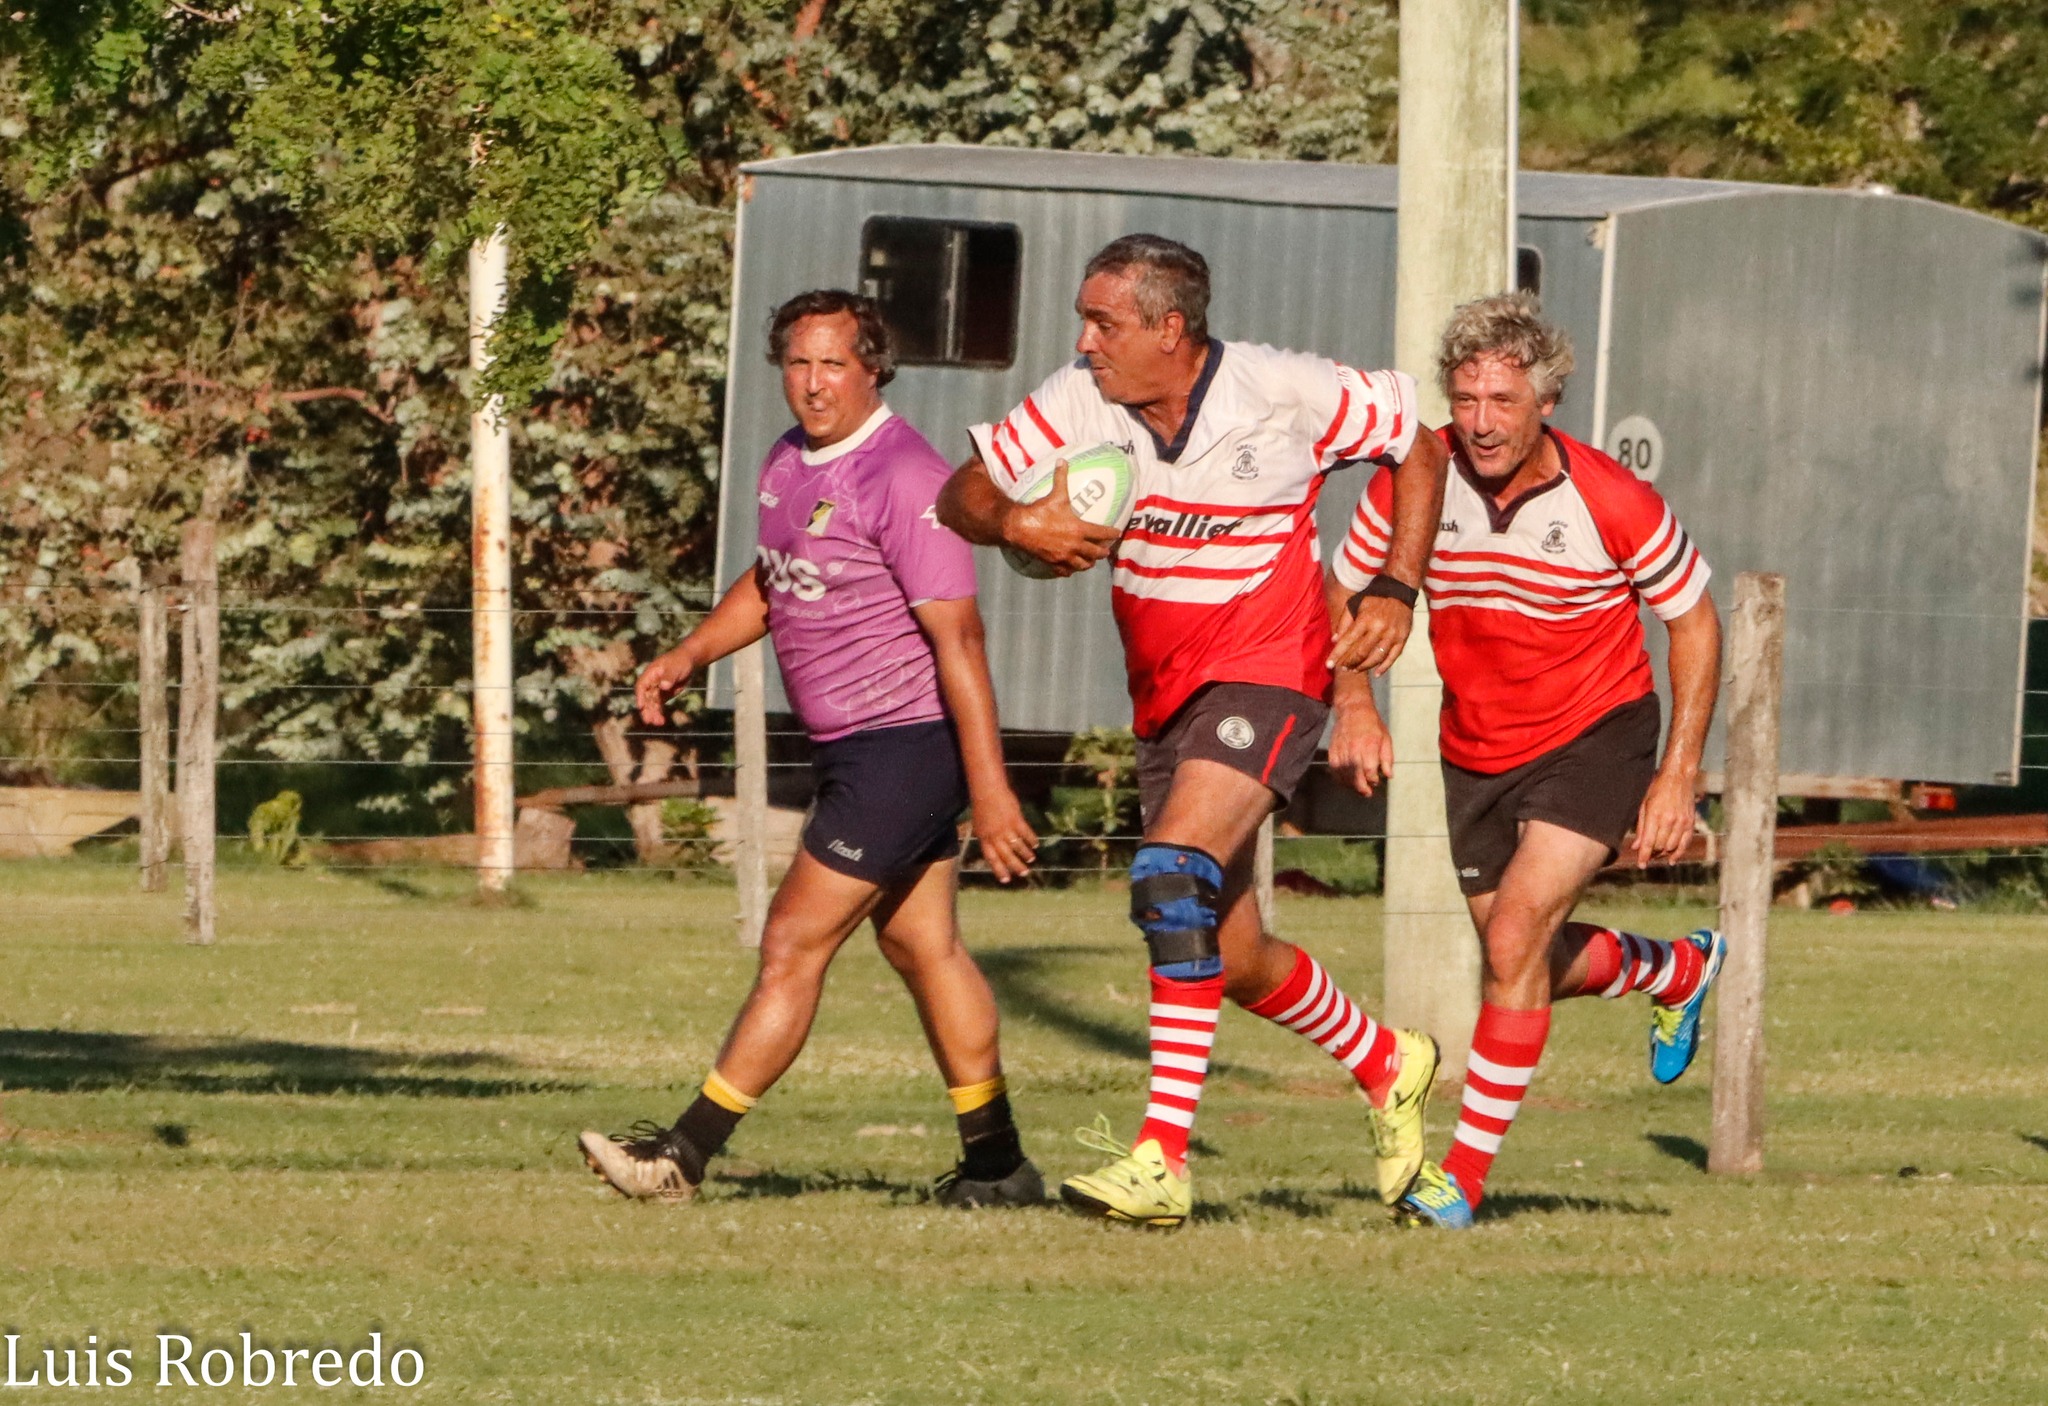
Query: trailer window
{"type": "Point", "coordinates": [947, 289]}
{"type": "Point", "coordinates": [1529, 270]}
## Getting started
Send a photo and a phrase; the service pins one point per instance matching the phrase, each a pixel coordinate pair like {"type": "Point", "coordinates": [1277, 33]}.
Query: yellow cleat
{"type": "Point", "coordinates": [1138, 1188]}
{"type": "Point", "coordinates": [1397, 1128]}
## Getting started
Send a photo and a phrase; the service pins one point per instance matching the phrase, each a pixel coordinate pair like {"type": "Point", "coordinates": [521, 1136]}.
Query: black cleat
{"type": "Point", "coordinates": [1023, 1187]}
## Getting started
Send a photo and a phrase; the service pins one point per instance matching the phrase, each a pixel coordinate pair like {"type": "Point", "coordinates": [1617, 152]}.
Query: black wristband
{"type": "Point", "coordinates": [1385, 585]}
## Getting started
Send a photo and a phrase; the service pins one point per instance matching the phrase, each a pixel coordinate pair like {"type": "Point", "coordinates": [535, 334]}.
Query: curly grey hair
{"type": "Point", "coordinates": [1510, 326]}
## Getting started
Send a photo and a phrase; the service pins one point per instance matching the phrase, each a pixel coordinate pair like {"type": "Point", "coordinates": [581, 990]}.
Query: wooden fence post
{"type": "Point", "coordinates": [153, 680]}
{"type": "Point", "coordinates": [1749, 806]}
{"type": "Point", "coordinates": [198, 708]}
{"type": "Point", "coordinates": [750, 784]}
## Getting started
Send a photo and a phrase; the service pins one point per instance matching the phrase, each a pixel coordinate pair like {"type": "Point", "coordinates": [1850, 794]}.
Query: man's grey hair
{"type": "Point", "coordinates": [1170, 278]}
{"type": "Point", "coordinates": [1510, 326]}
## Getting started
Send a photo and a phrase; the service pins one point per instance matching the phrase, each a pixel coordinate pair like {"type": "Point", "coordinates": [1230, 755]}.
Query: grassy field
{"type": "Point", "coordinates": [357, 1113]}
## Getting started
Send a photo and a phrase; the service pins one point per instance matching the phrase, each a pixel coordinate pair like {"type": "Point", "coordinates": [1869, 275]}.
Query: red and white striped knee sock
{"type": "Point", "coordinates": [1183, 1030]}
{"type": "Point", "coordinates": [1309, 1004]}
{"type": "Point", "coordinates": [1618, 963]}
{"type": "Point", "coordinates": [1505, 1048]}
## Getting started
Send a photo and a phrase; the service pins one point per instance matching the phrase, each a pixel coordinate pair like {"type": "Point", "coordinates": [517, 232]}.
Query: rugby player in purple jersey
{"type": "Point", "coordinates": [870, 605]}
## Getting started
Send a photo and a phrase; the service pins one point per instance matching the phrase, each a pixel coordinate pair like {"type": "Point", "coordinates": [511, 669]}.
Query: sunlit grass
{"type": "Point", "coordinates": [357, 1112]}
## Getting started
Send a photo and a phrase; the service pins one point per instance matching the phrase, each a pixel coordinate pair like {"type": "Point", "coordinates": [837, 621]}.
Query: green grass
{"type": "Point", "coordinates": [357, 1111]}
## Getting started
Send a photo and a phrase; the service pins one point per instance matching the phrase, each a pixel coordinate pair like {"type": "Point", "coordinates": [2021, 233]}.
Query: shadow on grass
{"type": "Point", "coordinates": [1014, 972]}
{"type": "Point", "coordinates": [1511, 1204]}
{"type": "Point", "coordinates": [2035, 1140]}
{"type": "Point", "coordinates": [1296, 1203]}
{"type": "Point", "coordinates": [1684, 1149]}
{"type": "Point", "coordinates": [782, 1186]}
{"type": "Point", "coordinates": [84, 1061]}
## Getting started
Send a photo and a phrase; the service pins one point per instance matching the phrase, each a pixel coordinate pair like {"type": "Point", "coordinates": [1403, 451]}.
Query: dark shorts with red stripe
{"type": "Point", "coordinates": [1268, 733]}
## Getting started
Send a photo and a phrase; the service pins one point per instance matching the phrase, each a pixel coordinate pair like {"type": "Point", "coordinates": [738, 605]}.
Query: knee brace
{"type": "Point", "coordinates": [1174, 892]}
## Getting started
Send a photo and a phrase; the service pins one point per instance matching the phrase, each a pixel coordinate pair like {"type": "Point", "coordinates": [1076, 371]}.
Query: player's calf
{"type": "Point", "coordinates": [1394, 1069]}
{"type": "Point", "coordinates": [1610, 963]}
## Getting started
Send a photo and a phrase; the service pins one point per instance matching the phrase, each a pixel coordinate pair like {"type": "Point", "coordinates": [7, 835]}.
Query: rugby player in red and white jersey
{"type": "Point", "coordinates": [1546, 551]}
{"type": "Point", "coordinates": [1219, 595]}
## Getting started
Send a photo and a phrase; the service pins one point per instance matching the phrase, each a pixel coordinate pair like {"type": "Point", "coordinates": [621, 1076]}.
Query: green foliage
{"type": "Point", "coordinates": [232, 240]}
{"type": "Point", "coordinates": [1941, 98]}
{"type": "Point", "coordinates": [686, 824]}
{"type": "Point", "coordinates": [1102, 816]}
{"type": "Point", "coordinates": [415, 127]}
{"type": "Point", "coordinates": [274, 828]}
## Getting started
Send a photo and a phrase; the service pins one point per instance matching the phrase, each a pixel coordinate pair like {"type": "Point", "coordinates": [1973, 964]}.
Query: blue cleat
{"type": "Point", "coordinates": [1675, 1030]}
{"type": "Point", "coordinates": [1435, 1199]}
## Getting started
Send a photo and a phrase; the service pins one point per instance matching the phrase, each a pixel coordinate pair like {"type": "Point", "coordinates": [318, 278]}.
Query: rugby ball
{"type": "Point", "coordinates": [1099, 483]}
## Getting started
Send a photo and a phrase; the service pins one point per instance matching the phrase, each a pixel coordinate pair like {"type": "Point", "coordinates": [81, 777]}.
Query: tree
{"type": "Point", "coordinates": [311, 174]}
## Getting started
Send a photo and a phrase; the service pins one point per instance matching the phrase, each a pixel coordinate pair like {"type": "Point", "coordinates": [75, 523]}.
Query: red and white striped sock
{"type": "Point", "coordinates": [1309, 1004]}
{"type": "Point", "coordinates": [1505, 1048]}
{"type": "Point", "coordinates": [1618, 963]}
{"type": "Point", "coordinates": [1183, 1030]}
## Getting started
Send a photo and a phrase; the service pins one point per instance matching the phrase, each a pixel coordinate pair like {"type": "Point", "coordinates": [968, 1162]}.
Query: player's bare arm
{"type": "Point", "coordinates": [959, 648]}
{"type": "Point", "coordinates": [1361, 750]}
{"type": "Point", "coordinates": [1665, 822]}
{"type": "Point", "coordinates": [1374, 637]}
{"type": "Point", "coordinates": [739, 618]}
{"type": "Point", "coordinates": [1048, 529]}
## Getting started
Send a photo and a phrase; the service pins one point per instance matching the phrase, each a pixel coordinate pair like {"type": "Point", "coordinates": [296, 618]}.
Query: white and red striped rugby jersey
{"type": "Point", "coordinates": [1533, 608]}
{"type": "Point", "coordinates": [1217, 578]}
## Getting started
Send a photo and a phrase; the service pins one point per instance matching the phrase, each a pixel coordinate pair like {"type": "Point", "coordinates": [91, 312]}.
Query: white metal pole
{"type": "Point", "coordinates": [491, 578]}
{"type": "Point", "coordinates": [1455, 239]}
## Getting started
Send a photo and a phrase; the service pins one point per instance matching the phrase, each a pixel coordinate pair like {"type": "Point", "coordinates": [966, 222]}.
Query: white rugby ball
{"type": "Point", "coordinates": [1099, 484]}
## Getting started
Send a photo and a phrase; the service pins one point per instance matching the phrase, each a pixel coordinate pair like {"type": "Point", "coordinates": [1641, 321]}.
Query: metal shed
{"type": "Point", "coordinates": [1841, 386]}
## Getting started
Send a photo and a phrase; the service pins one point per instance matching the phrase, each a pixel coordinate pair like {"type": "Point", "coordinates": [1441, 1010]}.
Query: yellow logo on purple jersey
{"type": "Point", "coordinates": [820, 516]}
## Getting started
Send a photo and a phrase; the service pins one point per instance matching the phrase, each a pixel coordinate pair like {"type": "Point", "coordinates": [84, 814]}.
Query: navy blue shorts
{"type": "Point", "coordinates": [888, 802]}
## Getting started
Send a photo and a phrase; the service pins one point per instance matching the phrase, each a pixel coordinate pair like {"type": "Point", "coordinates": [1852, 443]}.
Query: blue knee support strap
{"type": "Point", "coordinates": [1174, 892]}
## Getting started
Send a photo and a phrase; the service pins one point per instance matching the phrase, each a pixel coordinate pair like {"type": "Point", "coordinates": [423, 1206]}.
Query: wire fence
{"type": "Point", "coordinates": [261, 745]}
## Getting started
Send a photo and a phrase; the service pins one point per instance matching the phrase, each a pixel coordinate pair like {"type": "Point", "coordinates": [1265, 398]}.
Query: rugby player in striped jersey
{"type": "Point", "coordinates": [1218, 592]}
{"type": "Point", "coordinates": [1545, 553]}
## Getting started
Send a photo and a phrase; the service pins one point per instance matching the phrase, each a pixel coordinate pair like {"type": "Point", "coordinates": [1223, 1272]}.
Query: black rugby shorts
{"type": "Point", "coordinates": [888, 801]}
{"type": "Point", "coordinates": [1592, 785]}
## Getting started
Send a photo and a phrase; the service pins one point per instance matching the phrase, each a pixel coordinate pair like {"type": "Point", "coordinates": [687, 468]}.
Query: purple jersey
{"type": "Point", "coordinates": [850, 540]}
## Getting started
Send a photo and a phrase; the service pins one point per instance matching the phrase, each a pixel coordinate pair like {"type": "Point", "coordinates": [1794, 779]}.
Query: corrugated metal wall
{"type": "Point", "coordinates": [1846, 390]}
{"type": "Point", "coordinates": [1315, 279]}
{"type": "Point", "coordinates": [1846, 387]}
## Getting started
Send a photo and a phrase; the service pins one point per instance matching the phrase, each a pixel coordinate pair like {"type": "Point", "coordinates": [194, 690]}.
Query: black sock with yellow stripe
{"type": "Point", "coordinates": [989, 1145]}
{"type": "Point", "coordinates": [701, 1133]}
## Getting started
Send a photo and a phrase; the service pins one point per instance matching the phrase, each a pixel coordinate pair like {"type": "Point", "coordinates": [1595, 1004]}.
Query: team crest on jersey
{"type": "Point", "coordinates": [1247, 465]}
{"type": "Point", "coordinates": [1235, 733]}
{"type": "Point", "coordinates": [1553, 541]}
{"type": "Point", "coordinates": [820, 516]}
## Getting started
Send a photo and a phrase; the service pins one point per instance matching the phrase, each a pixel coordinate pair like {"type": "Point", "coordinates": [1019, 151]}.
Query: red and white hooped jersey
{"type": "Point", "coordinates": [1533, 608]}
{"type": "Point", "coordinates": [1217, 577]}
